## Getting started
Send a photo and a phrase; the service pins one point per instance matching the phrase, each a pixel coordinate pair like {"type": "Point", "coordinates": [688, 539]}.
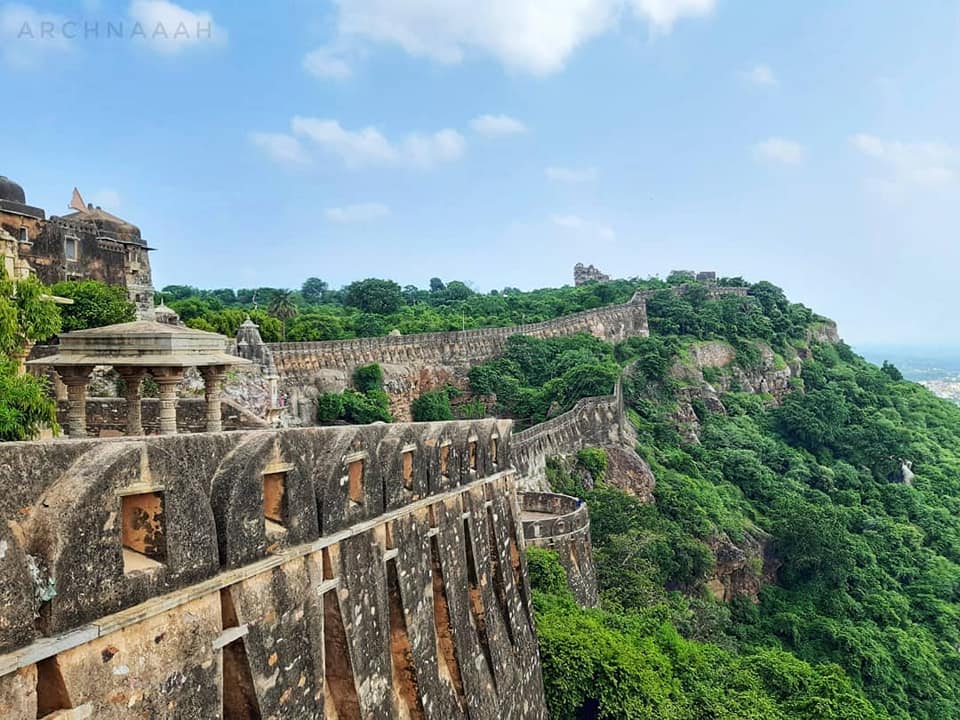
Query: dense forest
{"type": "Point", "coordinates": [860, 620]}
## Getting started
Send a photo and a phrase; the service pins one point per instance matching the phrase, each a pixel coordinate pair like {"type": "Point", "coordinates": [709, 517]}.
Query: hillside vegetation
{"type": "Point", "coordinates": [860, 620]}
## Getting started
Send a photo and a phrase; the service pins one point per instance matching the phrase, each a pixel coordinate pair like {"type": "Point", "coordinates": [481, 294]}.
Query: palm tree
{"type": "Point", "coordinates": [282, 308]}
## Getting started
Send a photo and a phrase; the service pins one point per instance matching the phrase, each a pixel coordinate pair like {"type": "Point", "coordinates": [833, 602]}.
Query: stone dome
{"type": "Point", "coordinates": [9, 190]}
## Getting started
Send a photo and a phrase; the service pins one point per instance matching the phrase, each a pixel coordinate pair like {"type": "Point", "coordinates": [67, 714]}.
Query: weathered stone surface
{"type": "Point", "coordinates": [628, 471]}
{"type": "Point", "coordinates": [562, 523]}
{"type": "Point", "coordinates": [395, 592]}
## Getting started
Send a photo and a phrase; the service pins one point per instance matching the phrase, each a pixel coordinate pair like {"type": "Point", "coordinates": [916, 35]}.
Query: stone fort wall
{"type": "Point", "coordinates": [460, 350]}
{"type": "Point", "coordinates": [591, 422]}
{"type": "Point", "coordinates": [562, 523]}
{"type": "Point", "coordinates": [359, 572]}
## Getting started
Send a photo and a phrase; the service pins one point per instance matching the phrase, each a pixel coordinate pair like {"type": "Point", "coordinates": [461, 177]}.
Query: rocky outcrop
{"type": "Point", "coordinates": [583, 274]}
{"type": "Point", "coordinates": [743, 568]}
{"type": "Point", "coordinates": [629, 472]}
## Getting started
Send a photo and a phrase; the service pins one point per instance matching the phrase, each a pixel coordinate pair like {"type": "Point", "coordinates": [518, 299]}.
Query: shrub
{"type": "Point", "coordinates": [367, 378]}
{"type": "Point", "coordinates": [432, 406]}
{"type": "Point", "coordinates": [594, 461]}
{"type": "Point", "coordinates": [329, 408]}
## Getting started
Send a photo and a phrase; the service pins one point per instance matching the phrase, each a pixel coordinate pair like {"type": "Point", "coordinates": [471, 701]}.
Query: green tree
{"type": "Point", "coordinates": [432, 406]}
{"type": "Point", "coordinates": [283, 308]}
{"type": "Point", "coordinates": [27, 314]}
{"type": "Point", "coordinates": [94, 304]}
{"type": "Point", "coordinates": [380, 297]}
{"type": "Point", "coordinates": [313, 290]}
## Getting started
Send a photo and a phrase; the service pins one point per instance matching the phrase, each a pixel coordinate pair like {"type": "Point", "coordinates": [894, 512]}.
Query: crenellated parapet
{"type": "Point", "coordinates": [561, 523]}
{"type": "Point", "coordinates": [366, 571]}
{"type": "Point", "coordinates": [591, 422]}
{"type": "Point", "coordinates": [460, 350]}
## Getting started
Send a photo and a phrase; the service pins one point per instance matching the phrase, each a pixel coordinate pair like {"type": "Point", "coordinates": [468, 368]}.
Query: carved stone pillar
{"type": "Point", "coordinates": [76, 377]}
{"type": "Point", "coordinates": [212, 377]}
{"type": "Point", "coordinates": [167, 380]}
{"type": "Point", "coordinates": [132, 380]}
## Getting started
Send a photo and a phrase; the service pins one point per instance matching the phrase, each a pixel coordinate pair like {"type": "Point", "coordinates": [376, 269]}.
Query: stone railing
{"type": "Point", "coordinates": [562, 523]}
{"type": "Point", "coordinates": [107, 417]}
{"type": "Point", "coordinates": [366, 571]}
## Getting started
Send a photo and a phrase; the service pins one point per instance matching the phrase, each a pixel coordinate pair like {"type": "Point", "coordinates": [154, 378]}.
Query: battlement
{"type": "Point", "coordinates": [457, 349]}
{"type": "Point", "coordinates": [375, 571]}
{"type": "Point", "coordinates": [592, 421]}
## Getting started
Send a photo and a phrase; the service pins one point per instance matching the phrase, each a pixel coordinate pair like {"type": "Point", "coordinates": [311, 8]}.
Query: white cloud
{"type": "Point", "coordinates": [170, 29]}
{"type": "Point", "coordinates": [106, 198]}
{"type": "Point", "coordinates": [27, 36]}
{"type": "Point", "coordinates": [368, 147]}
{"type": "Point", "coordinates": [359, 213]}
{"type": "Point", "coordinates": [535, 36]}
{"type": "Point", "coordinates": [284, 149]}
{"type": "Point", "coordinates": [497, 125]}
{"type": "Point", "coordinates": [779, 150]}
{"type": "Point", "coordinates": [920, 164]}
{"type": "Point", "coordinates": [761, 76]}
{"type": "Point", "coordinates": [327, 63]}
{"type": "Point", "coordinates": [586, 229]}
{"type": "Point", "coordinates": [570, 175]}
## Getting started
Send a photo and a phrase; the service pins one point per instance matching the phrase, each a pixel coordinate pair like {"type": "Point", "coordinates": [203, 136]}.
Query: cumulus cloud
{"type": "Point", "coordinates": [497, 125]}
{"type": "Point", "coordinates": [761, 76]}
{"type": "Point", "coordinates": [586, 229]}
{"type": "Point", "coordinates": [779, 150]}
{"type": "Point", "coordinates": [368, 147]}
{"type": "Point", "coordinates": [570, 175]}
{"type": "Point", "coordinates": [918, 164]}
{"type": "Point", "coordinates": [281, 148]}
{"type": "Point", "coordinates": [170, 29]}
{"type": "Point", "coordinates": [359, 213]}
{"type": "Point", "coordinates": [535, 36]}
{"type": "Point", "coordinates": [327, 63]}
{"type": "Point", "coordinates": [23, 40]}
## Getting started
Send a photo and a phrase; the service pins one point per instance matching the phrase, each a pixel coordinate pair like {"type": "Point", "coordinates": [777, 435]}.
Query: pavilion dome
{"type": "Point", "coordinates": [9, 190]}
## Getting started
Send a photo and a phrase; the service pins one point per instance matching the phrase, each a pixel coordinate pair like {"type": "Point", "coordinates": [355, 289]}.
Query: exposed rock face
{"type": "Point", "coordinates": [583, 274]}
{"type": "Point", "coordinates": [741, 569]}
{"type": "Point", "coordinates": [629, 472]}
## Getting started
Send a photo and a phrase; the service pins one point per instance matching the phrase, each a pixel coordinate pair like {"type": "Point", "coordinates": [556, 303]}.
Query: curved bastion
{"type": "Point", "coordinates": [561, 523]}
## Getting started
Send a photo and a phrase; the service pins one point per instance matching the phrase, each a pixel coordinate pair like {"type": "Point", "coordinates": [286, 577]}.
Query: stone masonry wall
{"type": "Point", "coordinates": [415, 364]}
{"type": "Point", "coordinates": [359, 572]}
{"type": "Point", "coordinates": [562, 523]}
{"type": "Point", "coordinates": [591, 422]}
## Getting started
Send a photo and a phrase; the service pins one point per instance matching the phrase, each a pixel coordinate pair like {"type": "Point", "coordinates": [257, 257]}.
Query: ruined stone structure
{"type": "Point", "coordinates": [562, 524]}
{"type": "Point", "coordinates": [360, 572]}
{"type": "Point", "coordinates": [414, 364]}
{"type": "Point", "coordinates": [583, 274]}
{"type": "Point", "coordinates": [87, 244]}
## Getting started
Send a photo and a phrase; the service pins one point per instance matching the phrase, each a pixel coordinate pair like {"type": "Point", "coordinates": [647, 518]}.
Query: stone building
{"type": "Point", "coordinates": [583, 274]}
{"type": "Point", "coordinates": [87, 244]}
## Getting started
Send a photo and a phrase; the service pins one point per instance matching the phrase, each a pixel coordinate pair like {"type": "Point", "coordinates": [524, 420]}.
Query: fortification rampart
{"type": "Point", "coordinates": [358, 572]}
{"type": "Point", "coordinates": [592, 421]}
{"type": "Point", "coordinates": [460, 350]}
{"type": "Point", "coordinates": [562, 523]}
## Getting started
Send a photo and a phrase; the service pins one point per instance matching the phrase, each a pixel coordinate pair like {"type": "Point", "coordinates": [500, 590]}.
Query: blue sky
{"type": "Point", "coordinates": [813, 144]}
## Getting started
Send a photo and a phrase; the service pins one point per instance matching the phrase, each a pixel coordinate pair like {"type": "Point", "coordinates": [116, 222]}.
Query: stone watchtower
{"type": "Point", "coordinates": [87, 244]}
{"type": "Point", "coordinates": [583, 274]}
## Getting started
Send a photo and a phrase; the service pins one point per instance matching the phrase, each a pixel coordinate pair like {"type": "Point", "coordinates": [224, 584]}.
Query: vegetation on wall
{"type": "Point", "coordinates": [364, 403]}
